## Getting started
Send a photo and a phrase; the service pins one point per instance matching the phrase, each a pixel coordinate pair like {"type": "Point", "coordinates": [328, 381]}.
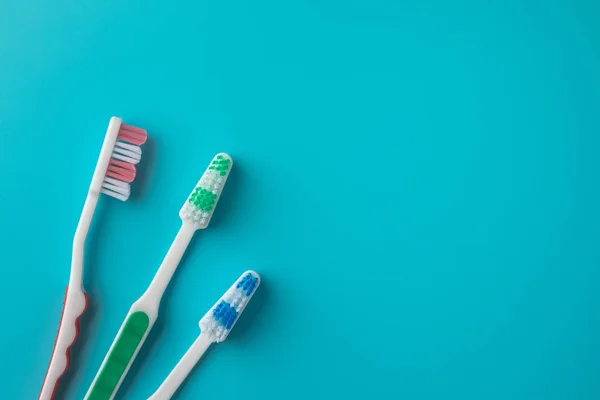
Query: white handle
{"type": "Point", "coordinates": [169, 265]}
{"type": "Point", "coordinates": [168, 388]}
{"type": "Point", "coordinates": [92, 200]}
{"type": "Point", "coordinates": [76, 300]}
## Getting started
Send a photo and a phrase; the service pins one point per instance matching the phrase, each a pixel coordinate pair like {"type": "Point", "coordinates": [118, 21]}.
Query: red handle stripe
{"type": "Point", "coordinates": [56, 341]}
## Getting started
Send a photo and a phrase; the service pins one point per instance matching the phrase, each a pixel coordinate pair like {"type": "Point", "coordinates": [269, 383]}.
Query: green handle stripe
{"type": "Point", "coordinates": [126, 344]}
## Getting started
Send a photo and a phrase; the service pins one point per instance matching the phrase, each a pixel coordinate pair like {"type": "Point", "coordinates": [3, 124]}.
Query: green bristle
{"type": "Point", "coordinates": [202, 202]}
{"type": "Point", "coordinates": [203, 199]}
{"type": "Point", "coordinates": [221, 165]}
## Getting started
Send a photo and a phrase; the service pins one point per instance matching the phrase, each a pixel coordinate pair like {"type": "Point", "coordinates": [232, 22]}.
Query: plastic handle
{"type": "Point", "coordinates": [167, 268]}
{"type": "Point", "coordinates": [129, 340]}
{"type": "Point", "coordinates": [74, 306]}
{"type": "Point", "coordinates": [168, 388]}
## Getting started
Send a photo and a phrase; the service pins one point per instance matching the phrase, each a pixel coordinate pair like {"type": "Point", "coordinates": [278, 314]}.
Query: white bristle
{"type": "Point", "coordinates": [116, 186]}
{"type": "Point", "coordinates": [131, 147]}
{"type": "Point", "coordinates": [117, 196]}
{"type": "Point", "coordinates": [125, 158]}
{"type": "Point", "coordinates": [135, 156]}
{"type": "Point", "coordinates": [116, 182]}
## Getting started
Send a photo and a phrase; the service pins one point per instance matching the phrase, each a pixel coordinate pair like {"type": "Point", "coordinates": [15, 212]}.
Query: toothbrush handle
{"type": "Point", "coordinates": [74, 306]}
{"type": "Point", "coordinates": [168, 388]}
{"type": "Point", "coordinates": [138, 323]}
{"type": "Point", "coordinates": [169, 265]}
{"type": "Point", "coordinates": [121, 354]}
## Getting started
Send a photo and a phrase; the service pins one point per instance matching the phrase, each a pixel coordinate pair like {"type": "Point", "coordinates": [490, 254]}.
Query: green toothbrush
{"type": "Point", "coordinates": [195, 214]}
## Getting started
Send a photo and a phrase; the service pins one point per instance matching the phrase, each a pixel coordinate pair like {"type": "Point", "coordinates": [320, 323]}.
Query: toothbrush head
{"type": "Point", "coordinates": [126, 153]}
{"type": "Point", "coordinates": [199, 207]}
{"type": "Point", "coordinates": [219, 321]}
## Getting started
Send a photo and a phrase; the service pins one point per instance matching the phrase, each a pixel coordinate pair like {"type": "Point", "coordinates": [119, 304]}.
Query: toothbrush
{"type": "Point", "coordinates": [114, 172]}
{"type": "Point", "coordinates": [214, 328]}
{"type": "Point", "coordinates": [195, 214]}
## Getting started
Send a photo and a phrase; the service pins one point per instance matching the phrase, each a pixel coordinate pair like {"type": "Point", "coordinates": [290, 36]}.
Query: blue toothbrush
{"type": "Point", "coordinates": [214, 327]}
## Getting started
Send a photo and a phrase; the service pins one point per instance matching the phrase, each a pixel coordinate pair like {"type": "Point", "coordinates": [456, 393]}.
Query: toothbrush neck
{"type": "Point", "coordinates": [170, 263]}
{"type": "Point", "coordinates": [83, 227]}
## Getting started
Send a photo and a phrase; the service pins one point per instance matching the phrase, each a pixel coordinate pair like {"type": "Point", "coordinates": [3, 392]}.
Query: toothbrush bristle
{"type": "Point", "coordinates": [219, 321]}
{"type": "Point", "coordinates": [121, 168]}
{"type": "Point", "coordinates": [133, 135]}
{"type": "Point", "coordinates": [201, 204]}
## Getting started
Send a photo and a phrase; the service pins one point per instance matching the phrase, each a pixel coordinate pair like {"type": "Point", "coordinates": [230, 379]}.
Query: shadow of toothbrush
{"type": "Point", "coordinates": [145, 169]}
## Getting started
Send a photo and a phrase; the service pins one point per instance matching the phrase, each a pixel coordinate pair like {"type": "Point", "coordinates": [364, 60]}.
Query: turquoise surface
{"type": "Point", "coordinates": [415, 181]}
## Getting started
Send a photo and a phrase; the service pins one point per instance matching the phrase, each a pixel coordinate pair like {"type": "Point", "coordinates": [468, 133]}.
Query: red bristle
{"type": "Point", "coordinates": [122, 164]}
{"type": "Point", "coordinates": [121, 170]}
{"type": "Point", "coordinates": [132, 134]}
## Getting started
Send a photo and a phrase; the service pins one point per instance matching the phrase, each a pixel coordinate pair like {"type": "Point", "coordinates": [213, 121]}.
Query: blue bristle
{"type": "Point", "coordinates": [219, 310]}
{"type": "Point", "coordinates": [224, 314]}
{"type": "Point", "coordinates": [247, 284]}
{"type": "Point", "coordinates": [242, 281]}
{"type": "Point", "coordinates": [231, 319]}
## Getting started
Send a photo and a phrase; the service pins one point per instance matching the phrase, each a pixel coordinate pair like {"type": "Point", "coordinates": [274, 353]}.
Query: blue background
{"type": "Point", "coordinates": [416, 182]}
